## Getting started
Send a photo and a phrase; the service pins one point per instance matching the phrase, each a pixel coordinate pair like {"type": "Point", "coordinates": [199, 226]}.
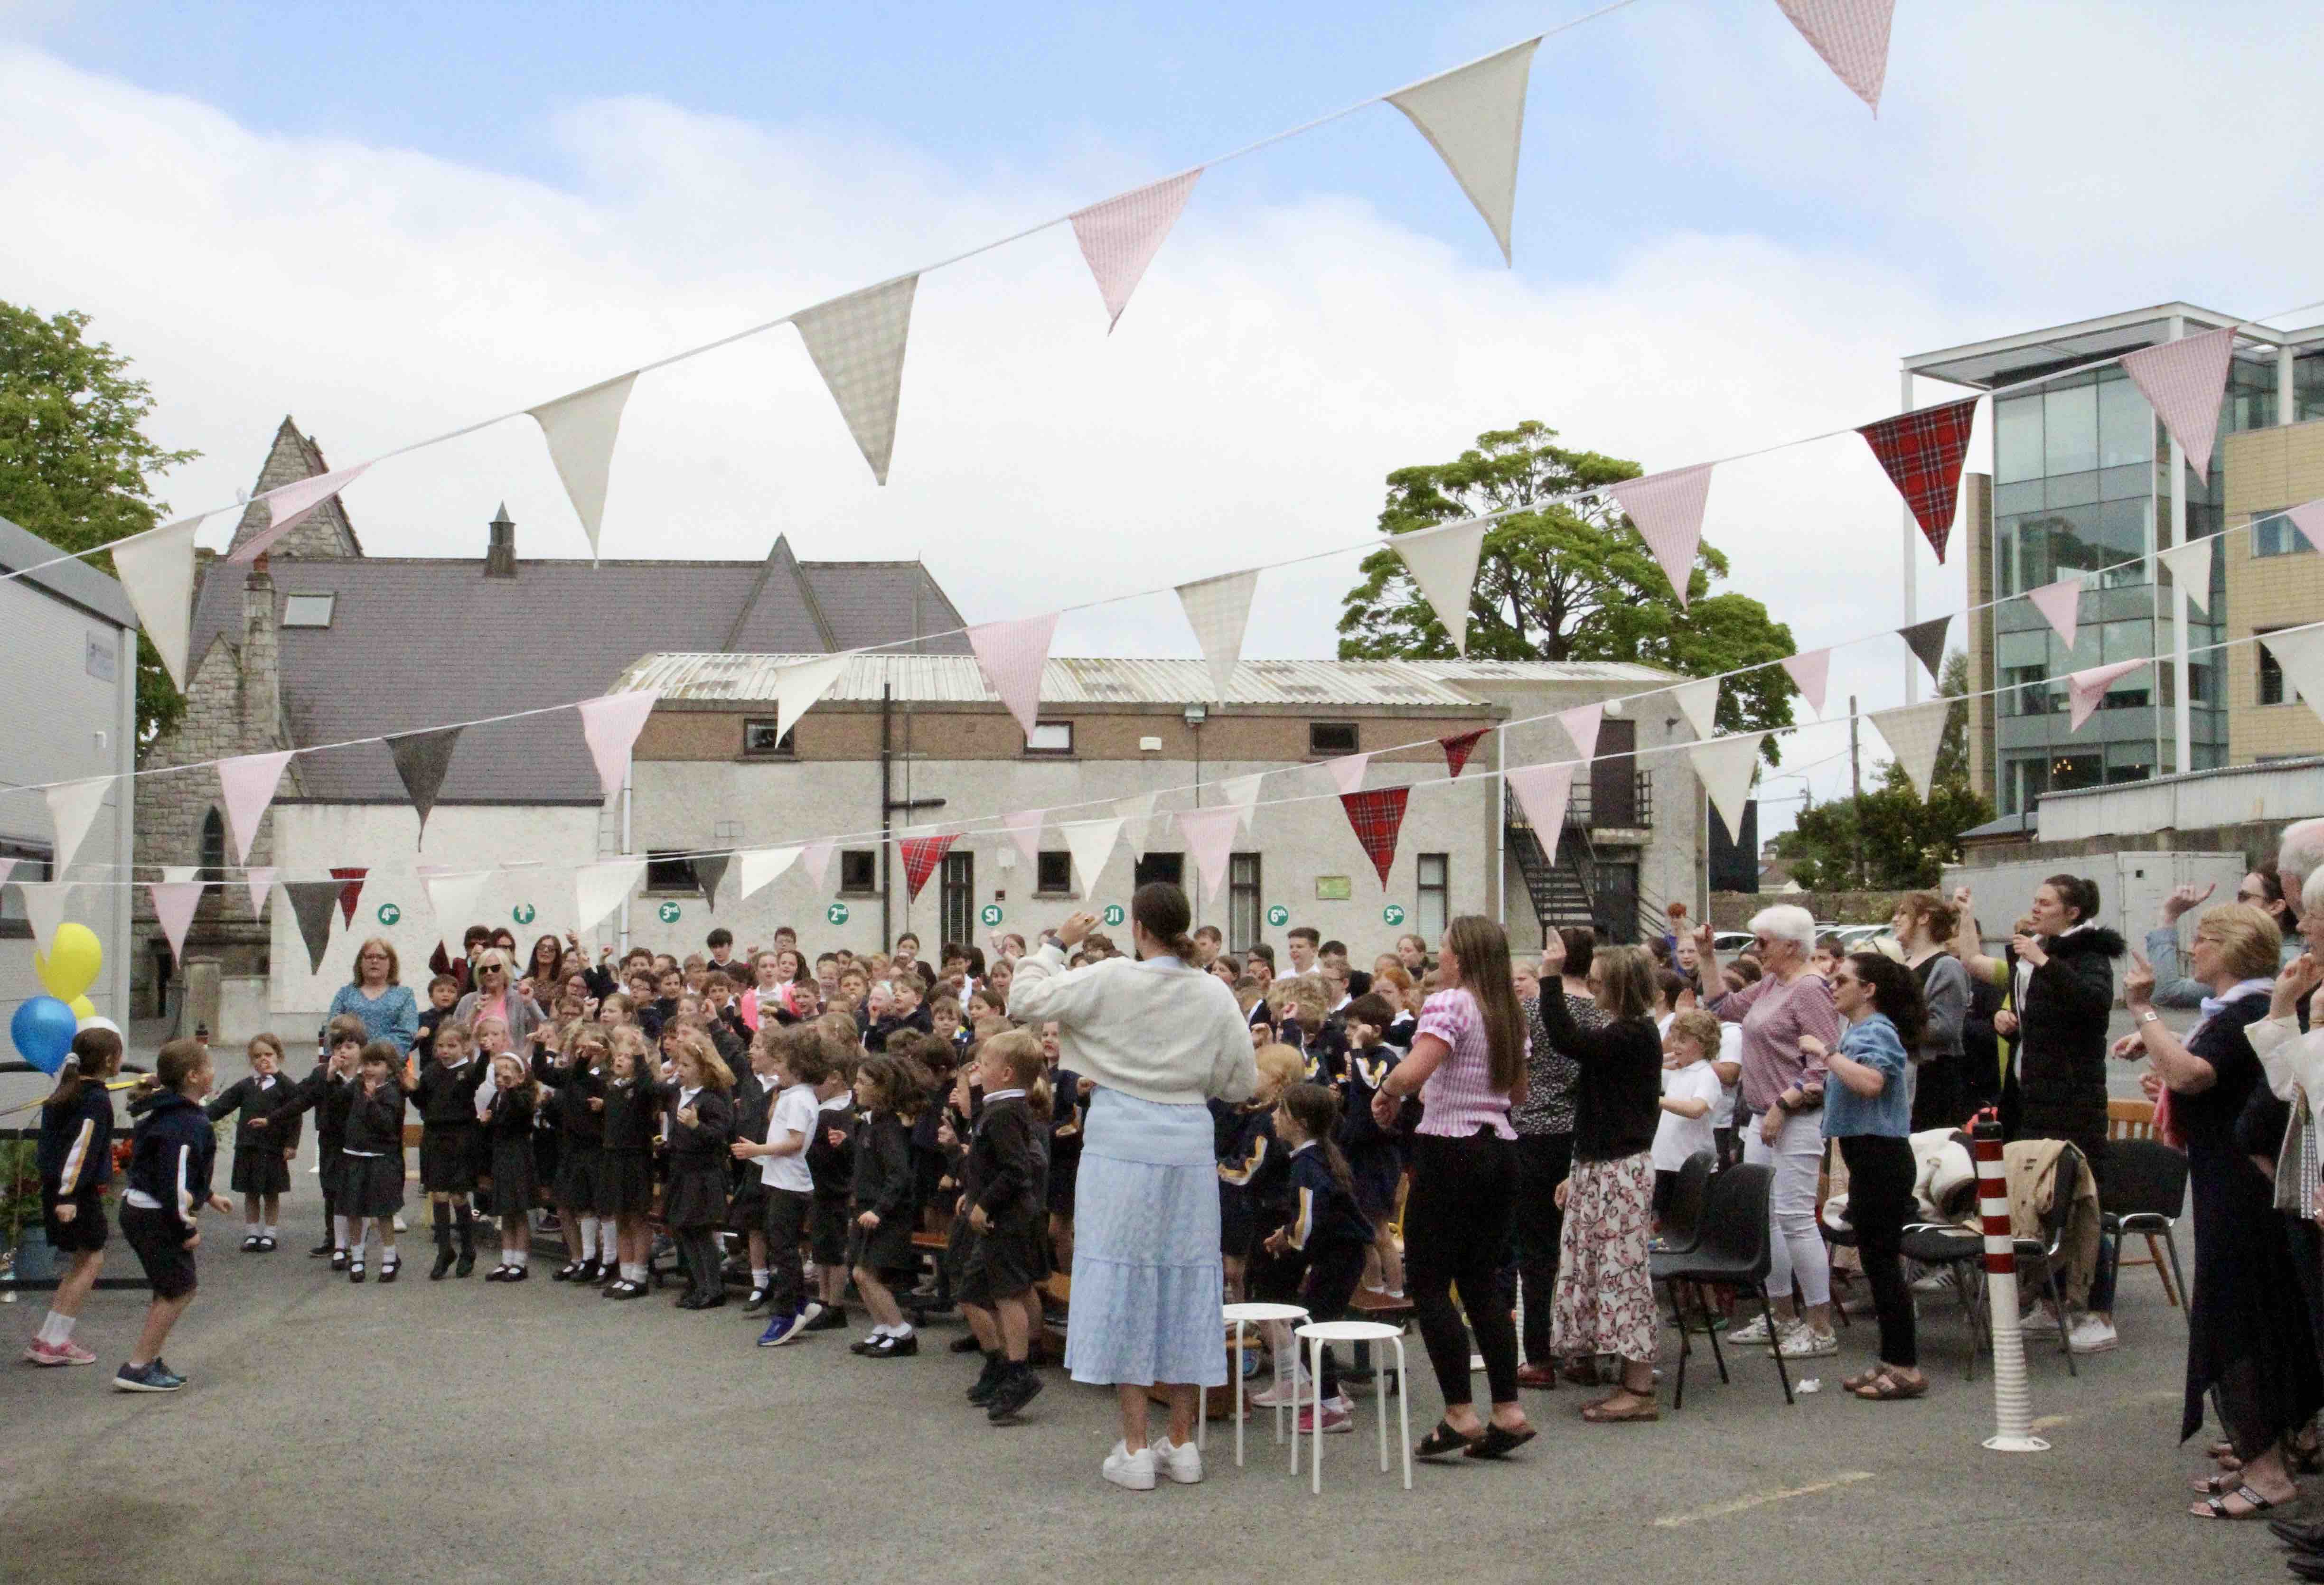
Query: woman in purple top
{"type": "Point", "coordinates": [1783, 1092]}
{"type": "Point", "coordinates": [1468, 1062]}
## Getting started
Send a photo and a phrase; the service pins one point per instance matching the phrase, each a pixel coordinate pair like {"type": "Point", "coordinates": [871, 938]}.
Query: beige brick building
{"type": "Point", "coordinates": [2274, 578]}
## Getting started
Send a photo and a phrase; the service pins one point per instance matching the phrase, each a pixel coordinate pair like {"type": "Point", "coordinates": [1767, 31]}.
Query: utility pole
{"type": "Point", "coordinates": [1856, 791]}
{"type": "Point", "coordinates": [890, 807]}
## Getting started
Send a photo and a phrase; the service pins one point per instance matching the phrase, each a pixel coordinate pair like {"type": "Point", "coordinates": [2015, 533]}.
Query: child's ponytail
{"type": "Point", "coordinates": [95, 1057]}
{"type": "Point", "coordinates": [1315, 1108]}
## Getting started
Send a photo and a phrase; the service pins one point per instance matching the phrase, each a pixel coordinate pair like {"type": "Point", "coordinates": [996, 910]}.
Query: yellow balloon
{"type": "Point", "coordinates": [83, 1008]}
{"type": "Point", "coordinates": [69, 966]}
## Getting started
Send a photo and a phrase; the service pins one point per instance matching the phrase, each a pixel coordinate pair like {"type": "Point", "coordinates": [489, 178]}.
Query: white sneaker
{"type": "Point", "coordinates": [1756, 1332]}
{"type": "Point", "coordinates": [2089, 1335]}
{"type": "Point", "coordinates": [2040, 1318]}
{"type": "Point", "coordinates": [1182, 1463]}
{"type": "Point", "coordinates": [1282, 1393]}
{"type": "Point", "coordinates": [1804, 1342]}
{"type": "Point", "coordinates": [1131, 1472]}
{"type": "Point", "coordinates": [1939, 1281]}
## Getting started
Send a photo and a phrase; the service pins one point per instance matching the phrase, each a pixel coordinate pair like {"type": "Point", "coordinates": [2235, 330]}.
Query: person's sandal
{"type": "Point", "coordinates": [1441, 1440]}
{"type": "Point", "coordinates": [2215, 1507]}
{"type": "Point", "coordinates": [1642, 1407]}
{"type": "Point", "coordinates": [1887, 1386]}
{"type": "Point", "coordinates": [1858, 1383]}
{"type": "Point", "coordinates": [1497, 1443]}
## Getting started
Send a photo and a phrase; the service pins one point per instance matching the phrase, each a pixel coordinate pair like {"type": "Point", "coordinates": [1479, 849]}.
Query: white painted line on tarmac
{"type": "Point", "coordinates": [1758, 1499]}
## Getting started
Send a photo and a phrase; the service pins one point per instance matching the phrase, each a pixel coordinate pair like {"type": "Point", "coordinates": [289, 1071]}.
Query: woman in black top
{"type": "Point", "coordinates": [1605, 1302]}
{"type": "Point", "coordinates": [1544, 1125]}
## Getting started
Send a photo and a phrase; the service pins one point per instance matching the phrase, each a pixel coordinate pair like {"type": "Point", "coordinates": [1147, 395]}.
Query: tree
{"type": "Point", "coordinates": [76, 467]}
{"type": "Point", "coordinates": [1567, 579]}
{"type": "Point", "coordinates": [1907, 839]}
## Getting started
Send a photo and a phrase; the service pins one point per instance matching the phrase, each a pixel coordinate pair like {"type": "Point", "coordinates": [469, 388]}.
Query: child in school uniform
{"type": "Point", "coordinates": [574, 1077]}
{"type": "Point", "coordinates": [171, 1155]}
{"type": "Point", "coordinates": [699, 1126]}
{"type": "Point", "coordinates": [880, 1244]}
{"type": "Point", "coordinates": [443, 995]}
{"type": "Point", "coordinates": [445, 1091]}
{"type": "Point", "coordinates": [1068, 1110]}
{"type": "Point", "coordinates": [1245, 1159]}
{"type": "Point", "coordinates": [327, 1093]}
{"type": "Point", "coordinates": [1005, 1202]}
{"type": "Point", "coordinates": [787, 1184]}
{"type": "Point", "coordinates": [1691, 1091]}
{"type": "Point", "coordinates": [261, 1155]}
{"type": "Point", "coordinates": [831, 1169]}
{"type": "Point", "coordinates": [371, 1162]}
{"type": "Point", "coordinates": [1327, 1235]}
{"type": "Point", "coordinates": [74, 1157]}
{"type": "Point", "coordinates": [752, 1098]}
{"type": "Point", "coordinates": [1375, 1155]}
{"type": "Point", "coordinates": [1309, 1028]}
{"type": "Point", "coordinates": [632, 1112]}
{"type": "Point", "coordinates": [508, 1147]}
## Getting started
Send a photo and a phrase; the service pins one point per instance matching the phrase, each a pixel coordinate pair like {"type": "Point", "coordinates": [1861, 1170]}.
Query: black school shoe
{"type": "Point", "coordinates": [587, 1272]}
{"type": "Point", "coordinates": [833, 1319]}
{"type": "Point", "coordinates": [566, 1272]}
{"type": "Point", "coordinates": [967, 1345]}
{"type": "Point", "coordinates": [996, 1371]}
{"type": "Point", "coordinates": [338, 1259]}
{"type": "Point", "coordinates": [387, 1270]}
{"type": "Point", "coordinates": [250, 1244]}
{"type": "Point", "coordinates": [356, 1272]}
{"type": "Point", "coordinates": [1018, 1388]}
{"type": "Point", "coordinates": [266, 1246]}
{"type": "Point", "coordinates": [626, 1290]}
{"type": "Point", "coordinates": [499, 1273]}
{"type": "Point", "coordinates": [321, 1250]}
{"type": "Point", "coordinates": [755, 1303]}
{"type": "Point", "coordinates": [893, 1348]}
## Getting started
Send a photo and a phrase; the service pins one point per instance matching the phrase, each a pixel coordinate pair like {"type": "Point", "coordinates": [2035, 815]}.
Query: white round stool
{"type": "Point", "coordinates": [1256, 1314]}
{"type": "Point", "coordinates": [1316, 1335]}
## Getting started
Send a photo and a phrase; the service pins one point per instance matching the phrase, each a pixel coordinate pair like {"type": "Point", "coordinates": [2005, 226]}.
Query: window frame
{"type": "Point", "coordinates": [786, 746]}
{"type": "Point", "coordinates": [667, 861]}
{"type": "Point", "coordinates": [869, 859]}
{"type": "Point", "coordinates": [1440, 888]}
{"type": "Point", "coordinates": [35, 861]}
{"type": "Point", "coordinates": [1062, 861]}
{"type": "Point", "coordinates": [329, 598]}
{"type": "Point", "coordinates": [1043, 751]}
{"type": "Point", "coordinates": [2269, 672]}
{"type": "Point", "coordinates": [1318, 749]}
{"type": "Point", "coordinates": [1246, 900]}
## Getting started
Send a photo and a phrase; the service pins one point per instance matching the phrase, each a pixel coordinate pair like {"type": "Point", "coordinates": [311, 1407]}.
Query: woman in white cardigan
{"type": "Point", "coordinates": [1158, 1037]}
{"type": "Point", "coordinates": [2294, 1064]}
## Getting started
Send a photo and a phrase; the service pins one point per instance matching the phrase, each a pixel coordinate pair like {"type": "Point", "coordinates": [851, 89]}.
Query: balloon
{"type": "Point", "coordinates": [83, 1009]}
{"type": "Point", "coordinates": [70, 965]}
{"type": "Point", "coordinates": [43, 1030]}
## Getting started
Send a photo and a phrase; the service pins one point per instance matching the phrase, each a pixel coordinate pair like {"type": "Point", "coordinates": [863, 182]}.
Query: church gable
{"type": "Point", "coordinates": [326, 531]}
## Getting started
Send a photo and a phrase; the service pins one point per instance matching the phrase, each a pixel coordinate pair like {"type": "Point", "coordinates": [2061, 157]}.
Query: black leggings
{"type": "Point", "coordinates": [1456, 1231]}
{"type": "Point", "coordinates": [1536, 1223]}
{"type": "Point", "coordinates": [706, 1272]}
{"type": "Point", "coordinates": [1333, 1272]}
{"type": "Point", "coordinates": [1880, 1173]}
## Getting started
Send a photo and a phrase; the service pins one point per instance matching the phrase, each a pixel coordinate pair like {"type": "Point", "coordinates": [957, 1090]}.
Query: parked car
{"type": "Point", "coordinates": [1729, 942]}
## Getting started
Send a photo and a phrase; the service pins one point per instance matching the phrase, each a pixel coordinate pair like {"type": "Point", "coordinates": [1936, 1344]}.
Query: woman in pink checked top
{"type": "Point", "coordinates": [1468, 1062]}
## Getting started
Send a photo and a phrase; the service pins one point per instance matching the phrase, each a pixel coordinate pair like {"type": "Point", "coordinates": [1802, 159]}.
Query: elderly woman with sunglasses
{"type": "Point", "coordinates": [496, 996]}
{"type": "Point", "coordinates": [1788, 1024]}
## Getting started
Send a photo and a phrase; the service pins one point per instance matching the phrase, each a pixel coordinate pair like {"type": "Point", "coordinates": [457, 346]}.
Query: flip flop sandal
{"type": "Point", "coordinates": [2218, 1485]}
{"type": "Point", "coordinates": [2215, 1507]}
{"type": "Point", "coordinates": [1887, 1386]}
{"type": "Point", "coordinates": [1859, 1382]}
{"type": "Point", "coordinates": [1644, 1409]}
{"type": "Point", "coordinates": [1441, 1440]}
{"type": "Point", "coordinates": [1496, 1442]}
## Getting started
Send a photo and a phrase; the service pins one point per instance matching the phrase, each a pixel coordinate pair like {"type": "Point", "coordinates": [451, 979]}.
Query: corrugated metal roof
{"type": "Point", "coordinates": [1111, 680]}
{"type": "Point", "coordinates": [1486, 671]}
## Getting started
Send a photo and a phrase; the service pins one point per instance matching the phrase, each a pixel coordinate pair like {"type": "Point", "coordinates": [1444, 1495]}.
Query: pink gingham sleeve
{"type": "Point", "coordinates": [1450, 1016]}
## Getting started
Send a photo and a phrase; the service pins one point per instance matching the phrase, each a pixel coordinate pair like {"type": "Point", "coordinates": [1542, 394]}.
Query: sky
{"type": "Point", "coordinates": [394, 219]}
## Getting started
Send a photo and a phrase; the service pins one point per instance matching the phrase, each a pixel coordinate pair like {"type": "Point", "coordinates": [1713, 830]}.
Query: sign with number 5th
{"type": "Point", "coordinates": [1393, 914]}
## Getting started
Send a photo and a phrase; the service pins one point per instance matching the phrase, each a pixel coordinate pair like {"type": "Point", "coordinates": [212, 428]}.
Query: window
{"type": "Point", "coordinates": [1332, 737]}
{"type": "Point", "coordinates": [761, 740]}
{"type": "Point", "coordinates": [956, 897]}
{"type": "Point", "coordinates": [1245, 910]}
{"type": "Point", "coordinates": [308, 610]}
{"type": "Point", "coordinates": [2273, 535]}
{"type": "Point", "coordinates": [1433, 906]}
{"type": "Point", "coordinates": [670, 871]}
{"type": "Point", "coordinates": [859, 870]}
{"type": "Point", "coordinates": [2271, 675]}
{"type": "Point", "coordinates": [32, 864]}
{"type": "Point", "coordinates": [1165, 867]}
{"type": "Point", "coordinates": [214, 847]}
{"type": "Point", "coordinates": [1053, 876]}
{"type": "Point", "coordinates": [1051, 737]}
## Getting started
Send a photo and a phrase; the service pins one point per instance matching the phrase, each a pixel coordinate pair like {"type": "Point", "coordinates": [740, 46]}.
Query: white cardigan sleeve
{"type": "Point", "coordinates": [1043, 989]}
{"type": "Point", "coordinates": [2292, 1060]}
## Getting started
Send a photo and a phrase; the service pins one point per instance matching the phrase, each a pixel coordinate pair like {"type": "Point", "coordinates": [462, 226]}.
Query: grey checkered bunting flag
{"type": "Point", "coordinates": [857, 343]}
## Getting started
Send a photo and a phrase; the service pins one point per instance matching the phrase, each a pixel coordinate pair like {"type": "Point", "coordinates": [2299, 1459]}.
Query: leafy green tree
{"type": "Point", "coordinates": [1567, 578]}
{"type": "Point", "coordinates": [1906, 840]}
{"type": "Point", "coordinates": [76, 467]}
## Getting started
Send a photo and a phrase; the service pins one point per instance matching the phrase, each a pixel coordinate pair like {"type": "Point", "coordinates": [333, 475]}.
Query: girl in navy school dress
{"type": "Point", "coordinates": [371, 1163]}
{"type": "Point", "coordinates": [508, 1147]}
{"type": "Point", "coordinates": [633, 1107]}
{"type": "Point", "coordinates": [1328, 1235]}
{"type": "Point", "coordinates": [575, 1078]}
{"type": "Point", "coordinates": [75, 1157]}
{"type": "Point", "coordinates": [880, 1245]}
{"type": "Point", "coordinates": [261, 1150]}
{"type": "Point", "coordinates": [700, 1127]}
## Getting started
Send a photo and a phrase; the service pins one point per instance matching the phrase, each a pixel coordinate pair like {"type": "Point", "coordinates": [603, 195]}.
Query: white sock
{"type": "Point", "coordinates": [636, 1269]}
{"type": "Point", "coordinates": [901, 1329]}
{"type": "Point", "coordinates": [249, 1229]}
{"type": "Point", "coordinates": [758, 1277]}
{"type": "Point", "coordinates": [268, 1232]}
{"type": "Point", "coordinates": [591, 1242]}
{"type": "Point", "coordinates": [520, 1256]}
{"type": "Point", "coordinates": [56, 1328]}
{"type": "Point", "coordinates": [343, 1233]}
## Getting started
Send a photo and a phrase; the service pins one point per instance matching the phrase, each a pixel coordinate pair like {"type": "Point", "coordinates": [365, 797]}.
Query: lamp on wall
{"type": "Point", "coordinates": [1197, 713]}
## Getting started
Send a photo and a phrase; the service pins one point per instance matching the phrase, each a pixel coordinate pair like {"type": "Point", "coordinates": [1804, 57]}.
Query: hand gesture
{"type": "Point", "coordinates": [194, 1240]}
{"type": "Point", "coordinates": [1078, 926]}
{"type": "Point", "coordinates": [1811, 1046]}
{"type": "Point", "coordinates": [1384, 1107]}
{"type": "Point", "coordinates": [1960, 900]}
{"type": "Point", "coordinates": [2184, 897]}
{"type": "Point", "coordinates": [869, 1221]}
{"type": "Point", "coordinates": [2129, 1045]}
{"type": "Point", "coordinates": [2005, 1022]}
{"type": "Point", "coordinates": [1275, 1242]}
{"type": "Point", "coordinates": [2151, 1082]}
{"type": "Point", "coordinates": [1705, 942]}
{"type": "Point", "coordinates": [259, 1122]}
{"type": "Point", "coordinates": [524, 988]}
{"type": "Point", "coordinates": [945, 1137]}
{"type": "Point", "coordinates": [1552, 957]}
{"type": "Point", "coordinates": [221, 1204]}
{"type": "Point", "coordinates": [978, 1219]}
{"type": "Point", "coordinates": [688, 1117]}
{"type": "Point", "coordinates": [2138, 985]}
{"type": "Point", "coordinates": [2028, 946]}
{"type": "Point", "coordinates": [597, 1103]}
{"type": "Point", "coordinates": [837, 1136]}
{"type": "Point", "coordinates": [2299, 977]}
{"type": "Point", "coordinates": [743, 1149]}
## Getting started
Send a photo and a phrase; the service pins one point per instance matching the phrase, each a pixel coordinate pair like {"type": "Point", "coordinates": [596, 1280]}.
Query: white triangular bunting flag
{"type": "Point", "coordinates": [1852, 37]}
{"type": "Point", "coordinates": [258, 881]}
{"type": "Point", "coordinates": [580, 430]}
{"type": "Point", "coordinates": [1810, 673]}
{"type": "Point", "coordinates": [1348, 772]}
{"type": "Point", "coordinates": [1210, 837]}
{"type": "Point", "coordinates": [1541, 791]}
{"type": "Point", "coordinates": [1137, 820]}
{"type": "Point", "coordinates": [1474, 118]}
{"type": "Point", "coordinates": [249, 784]}
{"type": "Point", "coordinates": [817, 857]}
{"type": "Point", "coordinates": [1011, 655]}
{"type": "Point", "coordinates": [44, 909]}
{"type": "Point", "coordinates": [1699, 703]}
{"type": "Point", "coordinates": [1024, 829]}
{"type": "Point", "coordinates": [1242, 793]}
{"type": "Point", "coordinates": [798, 687]}
{"type": "Point", "coordinates": [1218, 611]}
{"type": "Point", "coordinates": [1443, 563]}
{"type": "Point", "coordinates": [857, 343]}
{"type": "Point", "coordinates": [601, 888]}
{"type": "Point", "coordinates": [610, 724]}
{"type": "Point", "coordinates": [73, 806]}
{"type": "Point", "coordinates": [1725, 765]}
{"type": "Point", "coordinates": [292, 502]}
{"type": "Point", "coordinates": [758, 866]}
{"type": "Point", "coordinates": [2309, 519]}
{"type": "Point", "coordinates": [2086, 688]}
{"type": "Point", "coordinates": [1914, 732]}
{"type": "Point", "coordinates": [1581, 724]}
{"type": "Point", "coordinates": [156, 571]}
{"type": "Point", "coordinates": [1120, 237]}
{"type": "Point", "coordinates": [2190, 568]}
{"type": "Point", "coordinates": [172, 874]}
{"type": "Point", "coordinates": [2183, 380]}
{"type": "Point", "coordinates": [2300, 651]}
{"type": "Point", "coordinates": [2060, 604]}
{"type": "Point", "coordinates": [452, 898]}
{"type": "Point", "coordinates": [174, 902]}
{"type": "Point", "coordinates": [1667, 508]}
{"type": "Point", "coordinates": [1091, 842]}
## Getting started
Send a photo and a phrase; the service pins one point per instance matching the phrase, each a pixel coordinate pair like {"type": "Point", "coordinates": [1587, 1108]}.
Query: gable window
{"type": "Point", "coordinates": [1332, 737]}
{"type": "Point", "coordinates": [1054, 876]}
{"type": "Point", "coordinates": [670, 871]}
{"type": "Point", "coordinates": [308, 610]}
{"type": "Point", "coordinates": [1051, 737]}
{"type": "Point", "coordinates": [762, 741]}
{"type": "Point", "coordinates": [859, 870]}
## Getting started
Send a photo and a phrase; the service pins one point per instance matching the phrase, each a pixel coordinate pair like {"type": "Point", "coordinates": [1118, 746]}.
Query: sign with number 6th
{"type": "Point", "coordinates": [1278, 916]}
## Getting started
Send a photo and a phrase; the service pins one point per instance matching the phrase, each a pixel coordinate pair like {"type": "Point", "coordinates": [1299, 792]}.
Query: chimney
{"type": "Point", "coordinates": [260, 698]}
{"type": "Point", "coordinates": [500, 550]}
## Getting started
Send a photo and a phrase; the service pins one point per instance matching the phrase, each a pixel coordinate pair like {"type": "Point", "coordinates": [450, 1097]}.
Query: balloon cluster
{"type": "Point", "coordinates": [44, 1027]}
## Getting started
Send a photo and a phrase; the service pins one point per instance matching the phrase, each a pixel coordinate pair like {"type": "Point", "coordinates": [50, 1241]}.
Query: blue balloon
{"type": "Point", "coordinates": [43, 1031]}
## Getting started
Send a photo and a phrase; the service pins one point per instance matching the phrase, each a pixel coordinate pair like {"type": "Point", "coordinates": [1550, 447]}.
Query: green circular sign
{"type": "Point", "coordinates": [667, 913]}
{"type": "Point", "coordinates": [389, 912]}
{"type": "Point", "coordinates": [836, 914]}
{"type": "Point", "coordinates": [1114, 915]}
{"type": "Point", "coordinates": [1278, 916]}
{"type": "Point", "coordinates": [1393, 914]}
{"type": "Point", "coordinates": [989, 914]}
{"type": "Point", "coordinates": [521, 913]}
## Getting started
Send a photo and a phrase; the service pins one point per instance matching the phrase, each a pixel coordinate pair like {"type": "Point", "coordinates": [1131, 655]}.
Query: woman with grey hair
{"type": "Point", "coordinates": [1783, 1093]}
{"type": "Point", "coordinates": [496, 996]}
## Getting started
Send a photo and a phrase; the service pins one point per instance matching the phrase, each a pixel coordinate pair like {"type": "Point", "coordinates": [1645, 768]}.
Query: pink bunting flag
{"type": "Point", "coordinates": [1011, 655]}
{"type": "Point", "coordinates": [1120, 237]}
{"type": "Point", "coordinates": [1581, 724]}
{"type": "Point", "coordinates": [1852, 37]}
{"type": "Point", "coordinates": [610, 724]}
{"type": "Point", "coordinates": [292, 502]}
{"type": "Point", "coordinates": [817, 857]}
{"type": "Point", "coordinates": [174, 902]}
{"type": "Point", "coordinates": [1810, 672]}
{"type": "Point", "coordinates": [2183, 380]}
{"type": "Point", "coordinates": [2059, 604]}
{"type": "Point", "coordinates": [258, 880]}
{"type": "Point", "coordinates": [249, 783]}
{"type": "Point", "coordinates": [2309, 519]}
{"type": "Point", "coordinates": [1667, 508]}
{"type": "Point", "coordinates": [1024, 829]}
{"type": "Point", "coordinates": [1347, 771]}
{"type": "Point", "coordinates": [1210, 835]}
{"type": "Point", "coordinates": [1541, 791]}
{"type": "Point", "coordinates": [1375, 816]}
{"type": "Point", "coordinates": [2086, 689]}
{"type": "Point", "coordinates": [921, 856]}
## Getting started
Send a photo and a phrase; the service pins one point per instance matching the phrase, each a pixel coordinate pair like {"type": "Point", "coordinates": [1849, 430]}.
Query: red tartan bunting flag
{"type": "Point", "coordinates": [351, 893]}
{"type": "Point", "coordinates": [1377, 816]}
{"type": "Point", "coordinates": [922, 854]}
{"type": "Point", "coordinates": [1458, 748]}
{"type": "Point", "coordinates": [1922, 453]}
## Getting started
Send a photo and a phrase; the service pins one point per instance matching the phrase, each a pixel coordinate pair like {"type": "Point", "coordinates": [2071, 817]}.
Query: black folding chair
{"type": "Point", "coordinates": [1951, 1246]}
{"type": "Point", "coordinates": [1682, 1228]}
{"type": "Point", "coordinates": [2144, 1191]}
{"type": "Point", "coordinates": [1733, 1249]}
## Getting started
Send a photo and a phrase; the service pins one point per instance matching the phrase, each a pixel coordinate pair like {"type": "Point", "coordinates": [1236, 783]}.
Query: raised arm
{"type": "Point", "coordinates": [1969, 945]}
{"type": "Point", "coordinates": [2181, 1070]}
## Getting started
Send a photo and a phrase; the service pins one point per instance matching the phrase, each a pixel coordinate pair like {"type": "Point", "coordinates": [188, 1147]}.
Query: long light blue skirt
{"type": "Point", "coordinates": [1147, 1272]}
